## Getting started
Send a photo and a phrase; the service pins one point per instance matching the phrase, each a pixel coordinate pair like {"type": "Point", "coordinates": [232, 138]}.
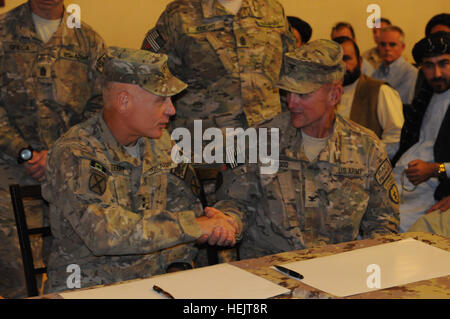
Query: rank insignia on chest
{"type": "Point", "coordinates": [97, 183]}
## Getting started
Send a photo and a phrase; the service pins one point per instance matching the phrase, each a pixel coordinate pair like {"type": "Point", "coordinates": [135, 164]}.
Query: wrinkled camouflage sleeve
{"type": "Point", "coordinates": [105, 227]}
{"type": "Point", "coordinates": [95, 102]}
{"type": "Point", "coordinates": [163, 38]}
{"type": "Point", "coordinates": [288, 36]}
{"type": "Point", "coordinates": [238, 194]}
{"type": "Point", "coordinates": [382, 214]}
{"type": "Point", "coordinates": [10, 139]}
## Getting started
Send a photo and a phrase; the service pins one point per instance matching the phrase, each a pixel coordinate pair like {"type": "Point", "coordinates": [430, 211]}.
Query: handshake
{"type": "Point", "coordinates": [217, 228]}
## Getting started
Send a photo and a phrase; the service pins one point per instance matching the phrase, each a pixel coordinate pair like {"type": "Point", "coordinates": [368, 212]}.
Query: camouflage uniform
{"type": "Point", "coordinates": [116, 216]}
{"type": "Point", "coordinates": [231, 63]}
{"type": "Point", "coordinates": [349, 189]}
{"type": "Point", "coordinates": [45, 89]}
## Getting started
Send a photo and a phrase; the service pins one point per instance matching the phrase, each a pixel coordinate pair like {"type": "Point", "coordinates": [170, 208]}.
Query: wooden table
{"type": "Point", "coordinates": [438, 288]}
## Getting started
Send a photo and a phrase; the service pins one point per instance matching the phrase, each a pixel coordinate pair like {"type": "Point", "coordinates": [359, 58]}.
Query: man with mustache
{"type": "Point", "coordinates": [422, 169]}
{"type": "Point", "coordinates": [48, 84]}
{"type": "Point", "coordinates": [395, 70]}
{"type": "Point", "coordinates": [120, 207]}
{"type": "Point", "coordinates": [369, 102]}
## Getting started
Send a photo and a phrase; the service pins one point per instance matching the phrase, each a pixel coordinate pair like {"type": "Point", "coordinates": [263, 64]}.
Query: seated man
{"type": "Point", "coordinates": [423, 161]}
{"type": "Point", "coordinates": [440, 22]}
{"type": "Point", "coordinates": [373, 55]}
{"type": "Point", "coordinates": [345, 29]}
{"type": "Point", "coordinates": [120, 208]}
{"type": "Point", "coordinates": [369, 102]}
{"type": "Point", "coordinates": [395, 70]}
{"type": "Point", "coordinates": [334, 180]}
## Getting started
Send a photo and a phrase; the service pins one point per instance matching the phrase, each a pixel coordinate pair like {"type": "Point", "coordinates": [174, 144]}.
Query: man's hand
{"type": "Point", "coordinates": [35, 167]}
{"type": "Point", "coordinates": [218, 228]}
{"type": "Point", "coordinates": [419, 171]}
{"type": "Point", "coordinates": [442, 205]}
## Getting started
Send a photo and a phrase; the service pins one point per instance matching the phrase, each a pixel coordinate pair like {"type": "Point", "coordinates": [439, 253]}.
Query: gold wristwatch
{"type": "Point", "coordinates": [442, 173]}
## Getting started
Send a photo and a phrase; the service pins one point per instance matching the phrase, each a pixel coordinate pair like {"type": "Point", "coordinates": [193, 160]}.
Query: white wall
{"type": "Point", "coordinates": [124, 23]}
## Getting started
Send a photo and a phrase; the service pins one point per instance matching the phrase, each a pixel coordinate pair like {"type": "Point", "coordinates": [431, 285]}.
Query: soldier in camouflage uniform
{"type": "Point", "coordinates": [334, 180]}
{"type": "Point", "coordinates": [120, 207]}
{"type": "Point", "coordinates": [46, 87]}
{"type": "Point", "coordinates": [231, 62]}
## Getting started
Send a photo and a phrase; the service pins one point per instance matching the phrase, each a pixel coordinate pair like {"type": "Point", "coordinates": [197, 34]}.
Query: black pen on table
{"type": "Point", "coordinates": [289, 272]}
{"type": "Point", "coordinates": [162, 292]}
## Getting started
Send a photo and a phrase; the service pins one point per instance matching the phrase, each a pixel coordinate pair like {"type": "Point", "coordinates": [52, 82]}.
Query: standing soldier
{"type": "Point", "coordinates": [230, 53]}
{"type": "Point", "coordinates": [48, 84]}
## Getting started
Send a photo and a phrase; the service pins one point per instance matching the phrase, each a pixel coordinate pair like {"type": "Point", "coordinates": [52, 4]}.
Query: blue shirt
{"type": "Point", "coordinates": [401, 75]}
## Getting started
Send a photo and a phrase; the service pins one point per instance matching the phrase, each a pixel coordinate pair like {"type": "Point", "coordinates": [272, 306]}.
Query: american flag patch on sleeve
{"type": "Point", "coordinates": [153, 41]}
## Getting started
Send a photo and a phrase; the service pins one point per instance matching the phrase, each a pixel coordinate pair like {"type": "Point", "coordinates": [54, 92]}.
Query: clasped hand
{"type": "Point", "coordinates": [35, 167]}
{"type": "Point", "coordinates": [217, 228]}
{"type": "Point", "coordinates": [419, 171]}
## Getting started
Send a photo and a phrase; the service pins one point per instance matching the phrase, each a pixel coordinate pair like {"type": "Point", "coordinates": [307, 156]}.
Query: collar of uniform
{"type": "Point", "coordinates": [328, 154]}
{"type": "Point", "coordinates": [213, 8]}
{"type": "Point", "coordinates": [27, 28]}
{"type": "Point", "coordinates": [155, 153]}
{"type": "Point", "coordinates": [117, 152]}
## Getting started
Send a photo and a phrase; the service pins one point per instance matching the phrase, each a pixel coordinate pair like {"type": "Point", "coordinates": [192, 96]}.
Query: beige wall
{"type": "Point", "coordinates": [124, 23]}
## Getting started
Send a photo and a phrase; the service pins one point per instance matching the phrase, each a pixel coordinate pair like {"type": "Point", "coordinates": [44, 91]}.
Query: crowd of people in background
{"type": "Point", "coordinates": [364, 138]}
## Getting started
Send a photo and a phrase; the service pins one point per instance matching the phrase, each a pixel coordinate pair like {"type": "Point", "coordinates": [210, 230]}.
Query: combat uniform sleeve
{"type": "Point", "coordinates": [382, 214]}
{"type": "Point", "coordinates": [95, 103]}
{"type": "Point", "coordinates": [238, 194]}
{"type": "Point", "coordinates": [288, 36]}
{"type": "Point", "coordinates": [163, 38]}
{"type": "Point", "coordinates": [105, 227]}
{"type": "Point", "coordinates": [11, 142]}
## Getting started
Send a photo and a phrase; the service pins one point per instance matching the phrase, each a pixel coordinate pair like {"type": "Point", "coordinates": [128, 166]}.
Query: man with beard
{"type": "Point", "coordinates": [423, 163]}
{"type": "Point", "coordinates": [369, 102]}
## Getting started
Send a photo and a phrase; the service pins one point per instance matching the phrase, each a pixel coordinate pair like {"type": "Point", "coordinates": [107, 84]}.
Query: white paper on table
{"type": "Point", "coordinates": [222, 281]}
{"type": "Point", "coordinates": [400, 263]}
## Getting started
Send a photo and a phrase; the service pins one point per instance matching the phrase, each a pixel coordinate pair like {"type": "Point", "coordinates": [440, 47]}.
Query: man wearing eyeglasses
{"type": "Point", "coordinates": [422, 170]}
{"type": "Point", "coordinates": [395, 70]}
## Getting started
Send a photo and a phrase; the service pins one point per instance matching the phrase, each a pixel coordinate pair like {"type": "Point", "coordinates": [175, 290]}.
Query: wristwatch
{"type": "Point", "coordinates": [25, 154]}
{"type": "Point", "coordinates": [442, 173]}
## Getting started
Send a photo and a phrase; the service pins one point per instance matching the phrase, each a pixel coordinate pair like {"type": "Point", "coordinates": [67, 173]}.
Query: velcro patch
{"type": "Point", "coordinates": [100, 63]}
{"type": "Point", "coordinates": [393, 194]}
{"type": "Point", "coordinates": [99, 167]}
{"type": "Point", "coordinates": [185, 172]}
{"type": "Point", "coordinates": [153, 41]}
{"type": "Point", "coordinates": [383, 172]}
{"type": "Point", "coordinates": [97, 183]}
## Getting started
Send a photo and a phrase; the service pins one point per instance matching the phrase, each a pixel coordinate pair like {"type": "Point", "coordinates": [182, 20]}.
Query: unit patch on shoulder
{"type": "Point", "coordinates": [383, 172]}
{"type": "Point", "coordinates": [97, 183]}
{"type": "Point", "coordinates": [393, 194]}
